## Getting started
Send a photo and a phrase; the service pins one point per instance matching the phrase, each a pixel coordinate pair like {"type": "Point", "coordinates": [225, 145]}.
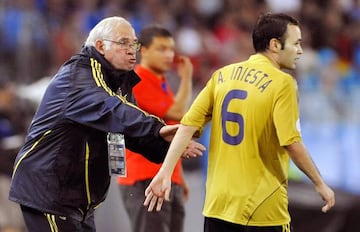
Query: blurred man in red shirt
{"type": "Point", "coordinates": [154, 95]}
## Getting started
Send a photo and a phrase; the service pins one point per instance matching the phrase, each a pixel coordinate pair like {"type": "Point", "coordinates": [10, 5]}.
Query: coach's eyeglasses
{"type": "Point", "coordinates": [126, 44]}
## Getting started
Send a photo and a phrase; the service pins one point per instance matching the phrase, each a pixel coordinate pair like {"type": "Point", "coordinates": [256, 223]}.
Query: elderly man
{"type": "Point", "coordinates": [62, 173]}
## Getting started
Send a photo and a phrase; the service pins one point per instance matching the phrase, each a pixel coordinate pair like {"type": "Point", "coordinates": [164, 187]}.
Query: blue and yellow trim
{"type": "Point", "coordinates": [32, 148]}
{"type": "Point", "coordinates": [87, 183]}
{"type": "Point", "coordinates": [52, 222]}
{"type": "Point", "coordinates": [286, 228]}
{"type": "Point", "coordinates": [100, 82]}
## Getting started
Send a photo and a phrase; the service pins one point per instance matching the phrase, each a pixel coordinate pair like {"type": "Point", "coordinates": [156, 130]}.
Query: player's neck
{"type": "Point", "coordinates": [272, 58]}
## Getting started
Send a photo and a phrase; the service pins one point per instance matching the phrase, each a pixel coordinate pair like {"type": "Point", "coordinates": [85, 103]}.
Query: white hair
{"type": "Point", "coordinates": [104, 29]}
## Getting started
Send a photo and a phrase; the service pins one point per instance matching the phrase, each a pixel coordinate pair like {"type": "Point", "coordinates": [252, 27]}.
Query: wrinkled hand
{"type": "Point", "coordinates": [168, 131]}
{"type": "Point", "coordinates": [328, 195]}
{"type": "Point", "coordinates": [157, 191]}
{"type": "Point", "coordinates": [193, 149]}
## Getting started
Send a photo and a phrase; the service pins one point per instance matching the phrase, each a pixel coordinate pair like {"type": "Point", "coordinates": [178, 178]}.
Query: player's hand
{"type": "Point", "coordinates": [193, 149]}
{"type": "Point", "coordinates": [157, 191]}
{"type": "Point", "coordinates": [328, 195]}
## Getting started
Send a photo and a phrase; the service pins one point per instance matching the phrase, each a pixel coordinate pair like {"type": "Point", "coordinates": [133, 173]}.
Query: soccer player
{"type": "Point", "coordinates": [254, 110]}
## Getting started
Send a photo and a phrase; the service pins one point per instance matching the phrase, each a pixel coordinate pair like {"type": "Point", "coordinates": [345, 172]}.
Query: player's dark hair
{"type": "Point", "coordinates": [271, 26]}
{"type": "Point", "coordinates": [148, 33]}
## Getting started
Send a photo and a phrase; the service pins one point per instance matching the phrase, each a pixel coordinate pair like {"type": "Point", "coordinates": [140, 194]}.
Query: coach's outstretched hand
{"type": "Point", "coordinates": [193, 149]}
{"type": "Point", "coordinates": [168, 132]}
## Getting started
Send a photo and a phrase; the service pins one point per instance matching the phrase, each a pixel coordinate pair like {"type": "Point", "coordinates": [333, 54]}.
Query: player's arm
{"type": "Point", "coordinates": [303, 161]}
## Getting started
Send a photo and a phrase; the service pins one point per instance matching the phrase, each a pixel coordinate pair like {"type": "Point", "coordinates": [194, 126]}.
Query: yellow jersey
{"type": "Point", "coordinates": [254, 111]}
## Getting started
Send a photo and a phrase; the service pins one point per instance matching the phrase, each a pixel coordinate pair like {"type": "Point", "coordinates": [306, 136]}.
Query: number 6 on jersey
{"type": "Point", "coordinates": [232, 117]}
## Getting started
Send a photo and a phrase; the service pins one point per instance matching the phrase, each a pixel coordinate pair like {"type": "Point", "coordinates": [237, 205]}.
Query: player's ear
{"type": "Point", "coordinates": [100, 46]}
{"type": "Point", "coordinates": [274, 45]}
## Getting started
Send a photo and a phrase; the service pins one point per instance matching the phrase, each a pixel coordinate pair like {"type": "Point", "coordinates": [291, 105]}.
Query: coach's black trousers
{"type": "Point", "coordinates": [37, 221]}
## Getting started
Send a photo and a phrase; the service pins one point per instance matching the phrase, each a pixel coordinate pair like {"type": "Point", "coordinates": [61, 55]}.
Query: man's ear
{"type": "Point", "coordinates": [143, 51]}
{"type": "Point", "coordinates": [100, 46]}
{"type": "Point", "coordinates": [274, 45]}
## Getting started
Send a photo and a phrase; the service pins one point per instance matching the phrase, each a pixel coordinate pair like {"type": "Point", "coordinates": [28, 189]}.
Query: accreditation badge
{"type": "Point", "coordinates": [117, 154]}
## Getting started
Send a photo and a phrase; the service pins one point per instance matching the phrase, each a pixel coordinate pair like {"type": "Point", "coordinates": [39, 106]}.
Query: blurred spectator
{"type": "Point", "coordinates": [289, 6]}
{"type": "Point", "coordinates": [24, 41]}
{"type": "Point", "coordinates": [154, 95]}
{"type": "Point", "coordinates": [12, 127]}
{"type": "Point", "coordinates": [68, 37]}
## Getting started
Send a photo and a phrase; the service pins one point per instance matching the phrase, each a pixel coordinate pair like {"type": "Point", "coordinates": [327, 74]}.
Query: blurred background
{"type": "Point", "coordinates": [37, 36]}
